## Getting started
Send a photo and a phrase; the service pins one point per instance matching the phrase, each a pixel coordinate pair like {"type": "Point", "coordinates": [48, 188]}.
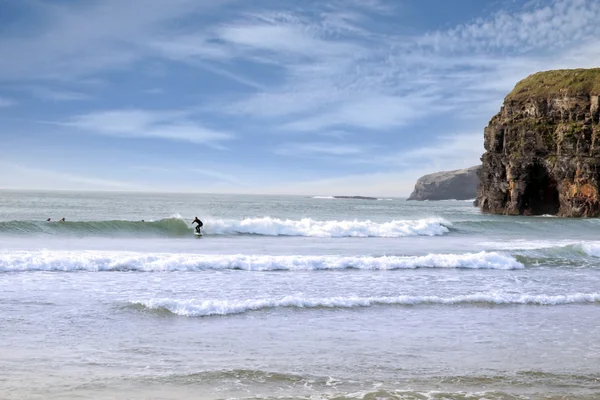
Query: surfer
{"type": "Point", "coordinates": [62, 220]}
{"type": "Point", "coordinates": [200, 224]}
{"type": "Point", "coordinates": [49, 219]}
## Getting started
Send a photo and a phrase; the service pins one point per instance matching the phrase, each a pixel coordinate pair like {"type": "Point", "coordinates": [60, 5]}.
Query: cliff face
{"type": "Point", "coordinates": [543, 148]}
{"type": "Point", "coordinates": [447, 185]}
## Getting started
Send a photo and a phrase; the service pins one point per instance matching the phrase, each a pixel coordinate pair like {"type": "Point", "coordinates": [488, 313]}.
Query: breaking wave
{"type": "Point", "coordinates": [204, 308]}
{"type": "Point", "coordinates": [156, 262]}
{"type": "Point", "coordinates": [308, 227]}
{"type": "Point", "coordinates": [267, 226]}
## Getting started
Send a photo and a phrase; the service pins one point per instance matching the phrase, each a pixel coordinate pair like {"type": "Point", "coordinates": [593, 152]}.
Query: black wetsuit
{"type": "Point", "coordinates": [200, 224]}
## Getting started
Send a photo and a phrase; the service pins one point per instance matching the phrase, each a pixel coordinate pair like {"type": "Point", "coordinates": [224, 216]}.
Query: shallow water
{"type": "Point", "coordinates": [293, 298]}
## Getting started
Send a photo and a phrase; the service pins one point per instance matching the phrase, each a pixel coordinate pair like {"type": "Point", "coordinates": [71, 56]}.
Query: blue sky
{"type": "Point", "coordinates": [237, 96]}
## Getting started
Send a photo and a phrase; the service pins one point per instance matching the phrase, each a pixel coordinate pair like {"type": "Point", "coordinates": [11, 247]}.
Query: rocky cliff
{"type": "Point", "coordinates": [543, 148]}
{"type": "Point", "coordinates": [446, 185]}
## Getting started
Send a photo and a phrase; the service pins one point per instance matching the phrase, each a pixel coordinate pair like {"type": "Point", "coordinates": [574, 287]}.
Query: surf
{"type": "Point", "coordinates": [115, 261]}
{"type": "Point", "coordinates": [212, 307]}
{"type": "Point", "coordinates": [177, 227]}
{"type": "Point", "coordinates": [267, 226]}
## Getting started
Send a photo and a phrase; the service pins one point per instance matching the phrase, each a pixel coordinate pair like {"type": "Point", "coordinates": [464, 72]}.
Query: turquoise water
{"type": "Point", "coordinates": [291, 297]}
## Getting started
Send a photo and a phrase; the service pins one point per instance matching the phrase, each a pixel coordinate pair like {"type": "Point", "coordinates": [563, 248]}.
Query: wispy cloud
{"type": "Point", "coordinates": [18, 176]}
{"type": "Point", "coordinates": [333, 81]}
{"type": "Point", "coordinates": [556, 25]}
{"type": "Point", "coordinates": [147, 124]}
{"type": "Point", "coordinates": [79, 39]}
{"type": "Point", "coordinates": [319, 149]}
{"type": "Point", "coordinates": [384, 81]}
{"type": "Point", "coordinates": [154, 91]}
{"type": "Point", "coordinates": [214, 176]}
{"type": "Point", "coordinates": [376, 112]}
{"type": "Point", "coordinates": [44, 93]}
{"type": "Point", "coordinates": [445, 152]}
{"type": "Point", "coordinates": [5, 102]}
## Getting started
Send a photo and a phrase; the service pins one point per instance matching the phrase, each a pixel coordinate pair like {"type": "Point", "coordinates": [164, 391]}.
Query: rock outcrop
{"type": "Point", "coordinates": [543, 148]}
{"type": "Point", "coordinates": [447, 185]}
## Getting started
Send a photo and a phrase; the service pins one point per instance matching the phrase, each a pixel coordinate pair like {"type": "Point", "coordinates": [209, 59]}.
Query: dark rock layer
{"type": "Point", "coordinates": [447, 185]}
{"type": "Point", "coordinates": [543, 148]}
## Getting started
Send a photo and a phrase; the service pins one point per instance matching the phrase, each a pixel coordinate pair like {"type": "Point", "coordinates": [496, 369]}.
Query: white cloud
{"type": "Point", "coordinates": [147, 124]}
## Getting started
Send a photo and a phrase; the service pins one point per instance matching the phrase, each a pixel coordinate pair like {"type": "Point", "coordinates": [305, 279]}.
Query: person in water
{"type": "Point", "coordinates": [200, 224]}
{"type": "Point", "coordinates": [62, 220]}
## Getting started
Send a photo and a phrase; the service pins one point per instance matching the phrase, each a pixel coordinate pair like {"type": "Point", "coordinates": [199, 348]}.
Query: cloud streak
{"type": "Point", "coordinates": [17, 176]}
{"type": "Point", "coordinates": [319, 149]}
{"type": "Point", "coordinates": [146, 124]}
{"type": "Point", "coordinates": [5, 102]}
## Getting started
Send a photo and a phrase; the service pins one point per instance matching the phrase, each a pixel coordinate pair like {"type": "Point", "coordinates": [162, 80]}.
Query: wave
{"type": "Point", "coordinates": [267, 226]}
{"type": "Point", "coordinates": [95, 261]}
{"type": "Point", "coordinates": [522, 224]}
{"type": "Point", "coordinates": [308, 227]}
{"type": "Point", "coordinates": [431, 387]}
{"type": "Point", "coordinates": [545, 248]}
{"type": "Point", "coordinates": [204, 308]}
{"type": "Point", "coordinates": [590, 249]}
{"type": "Point", "coordinates": [172, 227]}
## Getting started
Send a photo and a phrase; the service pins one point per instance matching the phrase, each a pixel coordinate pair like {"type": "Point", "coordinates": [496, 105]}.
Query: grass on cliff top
{"type": "Point", "coordinates": [570, 82]}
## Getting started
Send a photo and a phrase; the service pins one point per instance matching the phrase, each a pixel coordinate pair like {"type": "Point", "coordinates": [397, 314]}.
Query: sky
{"type": "Point", "coordinates": [327, 97]}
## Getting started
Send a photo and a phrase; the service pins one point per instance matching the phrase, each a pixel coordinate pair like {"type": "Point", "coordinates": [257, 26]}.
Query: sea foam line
{"type": "Point", "coordinates": [308, 227]}
{"type": "Point", "coordinates": [202, 308]}
{"type": "Point", "coordinates": [126, 261]}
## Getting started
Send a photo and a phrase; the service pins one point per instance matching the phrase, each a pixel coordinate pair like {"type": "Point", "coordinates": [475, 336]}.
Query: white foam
{"type": "Point", "coordinates": [201, 308]}
{"type": "Point", "coordinates": [591, 249]}
{"type": "Point", "coordinates": [526, 244]}
{"type": "Point", "coordinates": [308, 227]}
{"type": "Point", "coordinates": [324, 197]}
{"type": "Point", "coordinates": [129, 261]}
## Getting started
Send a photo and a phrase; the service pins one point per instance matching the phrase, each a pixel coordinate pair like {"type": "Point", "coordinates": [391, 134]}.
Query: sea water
{"type": "Point", "coordinates": [292, 297]}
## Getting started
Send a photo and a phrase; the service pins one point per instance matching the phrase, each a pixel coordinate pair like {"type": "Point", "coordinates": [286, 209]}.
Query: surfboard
{"type": "Point", "coordinates": [197, 234]}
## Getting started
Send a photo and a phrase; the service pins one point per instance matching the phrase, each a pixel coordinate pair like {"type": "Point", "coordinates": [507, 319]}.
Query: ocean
{"type": "Point", "coordinates": [293, 297]}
